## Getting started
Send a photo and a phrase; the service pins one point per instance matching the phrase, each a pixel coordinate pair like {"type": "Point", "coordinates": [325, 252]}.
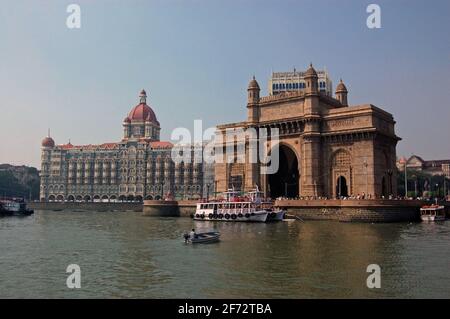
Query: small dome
{"type": "Point", "coordinates": [402, 160]}
{"type": "Point", "coordinates": [253, 84]}
{"type": "Point", "coordinates": [127, 120]}
{"type": "Point", "coordinates": [310, 72]}
{"type": "Point", "coordinates": [143, 93]}
{"type": "Point", "coordinates": [48, 142]}
{"type": "Point", "coordinates": [340, 88]}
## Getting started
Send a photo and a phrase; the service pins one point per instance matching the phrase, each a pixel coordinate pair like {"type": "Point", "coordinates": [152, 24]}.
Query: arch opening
{"type": "Point", "coordinates": [285, 182]}
{"type": "Point", "coordinates": [341, 187]}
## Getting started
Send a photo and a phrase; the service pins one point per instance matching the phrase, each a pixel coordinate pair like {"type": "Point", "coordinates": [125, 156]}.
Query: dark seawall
{"type": "Point", "coordinates": [86, 206]}
{"type": "Point", "coordinates": [340, 210]}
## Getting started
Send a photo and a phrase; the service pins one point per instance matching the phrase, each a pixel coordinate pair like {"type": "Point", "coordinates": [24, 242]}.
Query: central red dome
{"type": "Point", "coordinates": [142, 112]}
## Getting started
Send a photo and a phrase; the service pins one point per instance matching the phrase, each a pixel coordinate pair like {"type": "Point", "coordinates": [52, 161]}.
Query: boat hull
{"type": "Point", "coordinates": [205, 238]}
{"type": "Point", "coordinates": [276, 216]}
{"type": "Point", "coordinates": [432, 218]}
{"type": "Point", "coordinates": [256, 217]}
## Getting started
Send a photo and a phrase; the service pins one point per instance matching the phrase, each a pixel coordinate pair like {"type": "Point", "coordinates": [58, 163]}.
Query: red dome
{"type": "Point", "coordinates": [48, 142]}
{"type": "Point", "coordinates": [142, 112]}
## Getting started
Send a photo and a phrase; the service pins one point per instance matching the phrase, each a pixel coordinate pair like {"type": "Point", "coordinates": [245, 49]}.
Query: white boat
{"type": "Point", "coordinates": [14, 207]}
{"type": "Point", "coordinates": [432, 213]}
{"type": "Point", "coordinates": [234, 208]}
{"type": "Point", "coordinates": [204, 238]}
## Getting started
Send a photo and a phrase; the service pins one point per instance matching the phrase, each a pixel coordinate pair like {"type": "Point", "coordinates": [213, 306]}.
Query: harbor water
{"type": "Point", "coordinates": [126, 255]}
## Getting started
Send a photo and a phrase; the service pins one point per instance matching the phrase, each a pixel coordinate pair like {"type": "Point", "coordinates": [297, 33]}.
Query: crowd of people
{"type": "Point", "coordinates": [362, 196]}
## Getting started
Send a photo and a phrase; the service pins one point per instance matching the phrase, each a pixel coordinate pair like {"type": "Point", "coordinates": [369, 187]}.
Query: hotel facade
{"type": "Point", "coordinates": [138, 167]}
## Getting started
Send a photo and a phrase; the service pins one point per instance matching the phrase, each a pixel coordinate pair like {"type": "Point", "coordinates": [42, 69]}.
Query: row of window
{"type": "Point", "coordinates": [294, 86]}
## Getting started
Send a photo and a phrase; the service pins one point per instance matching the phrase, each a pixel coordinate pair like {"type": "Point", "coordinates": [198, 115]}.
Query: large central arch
{"type": "Point", "coordinates": [285, 182]}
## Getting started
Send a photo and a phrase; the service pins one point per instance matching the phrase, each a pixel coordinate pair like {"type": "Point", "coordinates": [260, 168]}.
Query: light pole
{"type": "Point", "coordinates": [415, 186]}
{"type": "Point", "coordinates": [207, 191]}
{"type": "Point", "coordinates": [406, 181]}
{"type": "Point", "coordinates": [390, 172]}
{"type": "Point", "coordinates": [445, 187]}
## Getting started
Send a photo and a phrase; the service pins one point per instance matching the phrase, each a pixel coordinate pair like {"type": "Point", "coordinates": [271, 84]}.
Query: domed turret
{"type": "Point", "coordinates": [48, 142]}
{"type": "Point", "coordinates": [253, 84]}
{"type": "Point", "coordinates": [311, 80]}
{"type": "Point", "coordinates": [341, 87]}
{"type": "Point", "coordinates": [253, 100]}
{"type": "Point", "coordinates": [341, 93]}
{"type": "Point", "coordinates": [253, 91]}
{"type": "Point", "coordinates": [311, 71]}
{"type": "Point", "coordinates": [141, 122]}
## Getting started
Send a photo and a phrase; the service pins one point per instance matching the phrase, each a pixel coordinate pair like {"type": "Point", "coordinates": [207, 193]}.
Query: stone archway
{"type": "Point", "coordinates": [341, 171]}
{"type": "Point", "coordinates": [285, 181]}
{"type": "Point", "coordinates": [341, 187]}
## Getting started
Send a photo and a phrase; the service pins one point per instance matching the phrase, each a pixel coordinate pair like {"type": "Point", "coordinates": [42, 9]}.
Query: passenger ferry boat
{"type": "Point", "coordinates": [234, 208]}
{"type": "Point", "coordinates": [14, 207]}
{"type": "Point", "coordinates": [432, 213]}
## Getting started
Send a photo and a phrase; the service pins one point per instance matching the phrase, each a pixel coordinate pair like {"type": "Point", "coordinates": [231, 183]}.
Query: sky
{"type": "Point", "coordinates": [195, 58]}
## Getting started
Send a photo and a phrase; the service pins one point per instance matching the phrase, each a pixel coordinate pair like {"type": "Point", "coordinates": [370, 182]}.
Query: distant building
{"type": "Point", "coordinates": [432, 167]}
{"type": "Point", "coordinates": [295, 81]}
{"type": "Point", "coordinates": [138, 167]}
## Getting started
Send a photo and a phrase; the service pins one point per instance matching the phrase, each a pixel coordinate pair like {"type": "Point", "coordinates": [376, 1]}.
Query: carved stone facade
{"type": "Point", "coordinates": [326, 147]}
{"type": "Point", "coordinates": [136, 168]}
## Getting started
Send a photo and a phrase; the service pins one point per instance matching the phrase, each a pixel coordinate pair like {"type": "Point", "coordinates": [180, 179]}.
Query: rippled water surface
{"type": "Point", "coordinates": [129, 255]}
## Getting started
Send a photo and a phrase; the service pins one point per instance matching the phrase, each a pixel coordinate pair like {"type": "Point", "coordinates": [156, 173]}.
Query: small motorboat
{"type": "Point", "coordinates": [203, 238]}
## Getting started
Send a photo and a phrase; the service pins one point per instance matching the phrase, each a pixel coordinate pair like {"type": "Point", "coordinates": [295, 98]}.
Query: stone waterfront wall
{"type": "Point", "coordinates": [86, 206]}
{"type": "Point", "coordinates": [169, 208]}
{"type": "Point", "coordinates": [341, 210]}
{"type": "Point", "coordinates": [354, 210]}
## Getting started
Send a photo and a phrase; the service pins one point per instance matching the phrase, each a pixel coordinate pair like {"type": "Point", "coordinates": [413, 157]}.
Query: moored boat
{"type": "Point", "coordinates": [432, 213]}
{"type": "Point", "coordinates": [14, 207]}
{"type": "Point", "coordinates": [234, 208]}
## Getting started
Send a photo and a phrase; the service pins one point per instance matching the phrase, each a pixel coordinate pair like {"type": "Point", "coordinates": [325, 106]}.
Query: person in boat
{"type": "Point", "coordinates": [192, 234]}
{"type": "Point", "coordinates": [186, 237]}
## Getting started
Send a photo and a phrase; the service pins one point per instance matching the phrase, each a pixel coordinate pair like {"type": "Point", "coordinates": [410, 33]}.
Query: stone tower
{"type": "Point", "coordinates": [341, 93]}
{"type": "Point", "coordinates": [253, 100]}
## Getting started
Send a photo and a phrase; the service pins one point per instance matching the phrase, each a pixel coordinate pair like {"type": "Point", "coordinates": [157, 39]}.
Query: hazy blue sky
{"type": "Point", "coordinates": [195, 59]}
